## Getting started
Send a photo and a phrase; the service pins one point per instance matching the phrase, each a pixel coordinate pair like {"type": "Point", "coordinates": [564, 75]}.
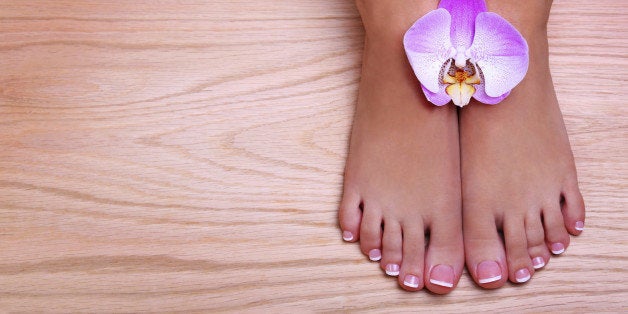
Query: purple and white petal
{"type": "Point", "coordinates": [500, 51]}
{"type": "Point", "coordinates": [440, 98]}
{"type": "Point", "coordinates": [463, 13]}
{"type": "Point", "coordinates": [428, 46]}
{"type": "Point", "coordinates": [481, 96]}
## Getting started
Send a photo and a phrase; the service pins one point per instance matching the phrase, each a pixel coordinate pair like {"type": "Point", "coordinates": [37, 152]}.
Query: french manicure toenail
{"type": "Point", "coordinates": [392, 270]}
{"type": "Point", "coordinates": [538, 262]}
{"type": "Point", "coordinates": [558, 248]}
{"type": "Point", "coordinates": [522, 275]}
{"type": "Point", "coordinates": [411, 281]}
{"type": "Point", "coordinates": [579, 225]}
{"type": "Point", "coordinates": [375, 255]}
{"type": "Point", "coordinates": [347, 235]}
{"type": "Point", "coordinates": [442, 275]}
{"type": "Point", "coordinates": [489, 271]}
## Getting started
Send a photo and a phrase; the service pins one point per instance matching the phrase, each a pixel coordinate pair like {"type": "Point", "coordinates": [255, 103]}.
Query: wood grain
{"type": "Point", "coordinates": [188, 155]}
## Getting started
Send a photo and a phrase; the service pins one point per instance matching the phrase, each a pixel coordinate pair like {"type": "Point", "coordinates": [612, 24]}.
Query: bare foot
{"type": "Point", "coordinates": [518, 172]}
{"type": "Point", "coordinates": [402, 178]}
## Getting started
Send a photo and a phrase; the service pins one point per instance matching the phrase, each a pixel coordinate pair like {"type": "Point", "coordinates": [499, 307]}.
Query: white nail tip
{"type": "Point", "coordinates": [492, 279]}
{"type": "Point", "coordinates": [558, 251]}
{"type": "Point", "coordinates": [524, 279]}
{"type": "Point", "coordinates": [411, 285]}
{"type": "Point", "coordinates": [375, 259]}
{"type": "Point", "coordinates": [579, 225]}
{"type": "Point", "coordinates": [539, 265]}
{"type": "Point", "coordinates": [347, 236]}
{"type": "Point", "coordinates": [392, 273]}
{"type": "Point", "coordinates": [442, 283]}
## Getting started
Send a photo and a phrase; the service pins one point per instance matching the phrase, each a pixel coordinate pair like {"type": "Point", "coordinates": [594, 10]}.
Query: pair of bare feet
{"type": "Point", "coordinates": [429, 188]}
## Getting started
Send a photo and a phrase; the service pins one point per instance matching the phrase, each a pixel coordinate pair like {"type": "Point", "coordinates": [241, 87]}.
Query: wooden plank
{"type": "Point", "coordinates": [188, 155]}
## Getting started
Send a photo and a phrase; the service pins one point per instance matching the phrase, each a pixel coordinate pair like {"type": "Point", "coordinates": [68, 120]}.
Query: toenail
{"type": "Point", "coordinates": [489, 271]}
{"type": "Point", "coordinates": [442, 275]}
{"type": "Point", "coordinates": [558, 248]}
{"type": "Point", "coordinates": [347, 235]}
{"type": "Point", "coordinates": [579, 225]}
{"type": "Point", "coordinates": [392, 270]}
{"type": "Point", "coordinates": [411, 281]}
{"type": "Point", "coordinates": [522, 275]}
{"type": "Point", "coordinates": [538, 262]}
{"type": "Point", "coordinates": [375, 255]}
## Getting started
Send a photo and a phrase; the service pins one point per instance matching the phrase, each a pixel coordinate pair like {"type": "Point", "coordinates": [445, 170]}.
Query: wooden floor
{"type": "Point", "coordinates": [188, 156]}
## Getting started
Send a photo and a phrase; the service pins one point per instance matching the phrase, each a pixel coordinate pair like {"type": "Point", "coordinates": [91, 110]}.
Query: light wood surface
{"type": "Point", "coordinates": [188, 156]}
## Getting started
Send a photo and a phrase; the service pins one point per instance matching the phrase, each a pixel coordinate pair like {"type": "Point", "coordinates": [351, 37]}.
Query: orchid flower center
{"type": "Point", "coordinates": [460, 81]}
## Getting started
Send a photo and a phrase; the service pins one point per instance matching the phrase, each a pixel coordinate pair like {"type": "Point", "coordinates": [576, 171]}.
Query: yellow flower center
{"type": "Point", "coordinates": [461, 81]}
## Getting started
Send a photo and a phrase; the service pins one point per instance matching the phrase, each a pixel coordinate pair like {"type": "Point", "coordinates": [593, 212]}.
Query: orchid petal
{"type": "Point", "coordinates": [463, 13]}
{"type": "Point", "coordinates": [428, 47]}
{"type": "Point", "coordinates": [480, 95]}
{"type": "Point", "coordinates": [440, 98]}
{"type": "Point", "coordinates": [500, 51]}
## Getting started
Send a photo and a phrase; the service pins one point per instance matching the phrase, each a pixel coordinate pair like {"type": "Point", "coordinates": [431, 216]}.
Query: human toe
{"type": "Point", "coordinates": [371, 233]}
{"type": "Point", "coordinates": [573, 209]}
{"type": "Point", "coordinates": [537, 249]}
{"type": "Point", "coordinates": [411, 270]}
{"type": "Point", "coordinates": [489, 272]}
{"type": "Point", "coordinates": [522, 275]}
{"type": "Point", "coordinates": [556, 235]}
{"type": "Point", "coordinates": [350, 215]}
{"type": "Point", "coordinates": [442, 279]}
{"type": "Point", "coordinates": [484, 251]}
{"type": "Point", "coordinates": [517, 255]}
{"type": "Point", "coordinates": [391, 248]}
{"type": "Point", "coordinates": [444, 259]}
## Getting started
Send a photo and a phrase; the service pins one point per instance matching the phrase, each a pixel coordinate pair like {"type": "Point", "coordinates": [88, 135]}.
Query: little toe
{"type": "Point", "coordinates": [411, 272]}
{"type": "Point", "coordinates": [537, 249]}
{"type": "Point", "coordinates": [573, 209]}
{"type": "Point", "coordinates": [350, 215]}
{"type": "Point", "coordinates": [520, 267]}
{"type": "Point", "coordinates": [391, 248]}
{"type": "Point", "coordinates": [556, 236]}
{"type": "Point", "coordinates": [371, 233]}
{"type": "Point", "coordinates": [484, 251]}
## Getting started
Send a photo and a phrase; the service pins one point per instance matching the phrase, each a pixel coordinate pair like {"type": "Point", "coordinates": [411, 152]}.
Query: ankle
{"type": "Point", "coordinates": [529, 17]}
{"type": "Point", "coordinates": [387, 21]}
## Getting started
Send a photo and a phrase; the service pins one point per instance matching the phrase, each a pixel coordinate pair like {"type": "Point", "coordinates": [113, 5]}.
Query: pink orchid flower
{"type": "Point", "coordinates": [459, 51]}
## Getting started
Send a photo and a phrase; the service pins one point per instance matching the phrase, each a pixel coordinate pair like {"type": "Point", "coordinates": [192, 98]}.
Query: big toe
{"type": "Point", "coordinates": [484, 251]}
{"type": "Point", "coordinates": [444, 259]}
